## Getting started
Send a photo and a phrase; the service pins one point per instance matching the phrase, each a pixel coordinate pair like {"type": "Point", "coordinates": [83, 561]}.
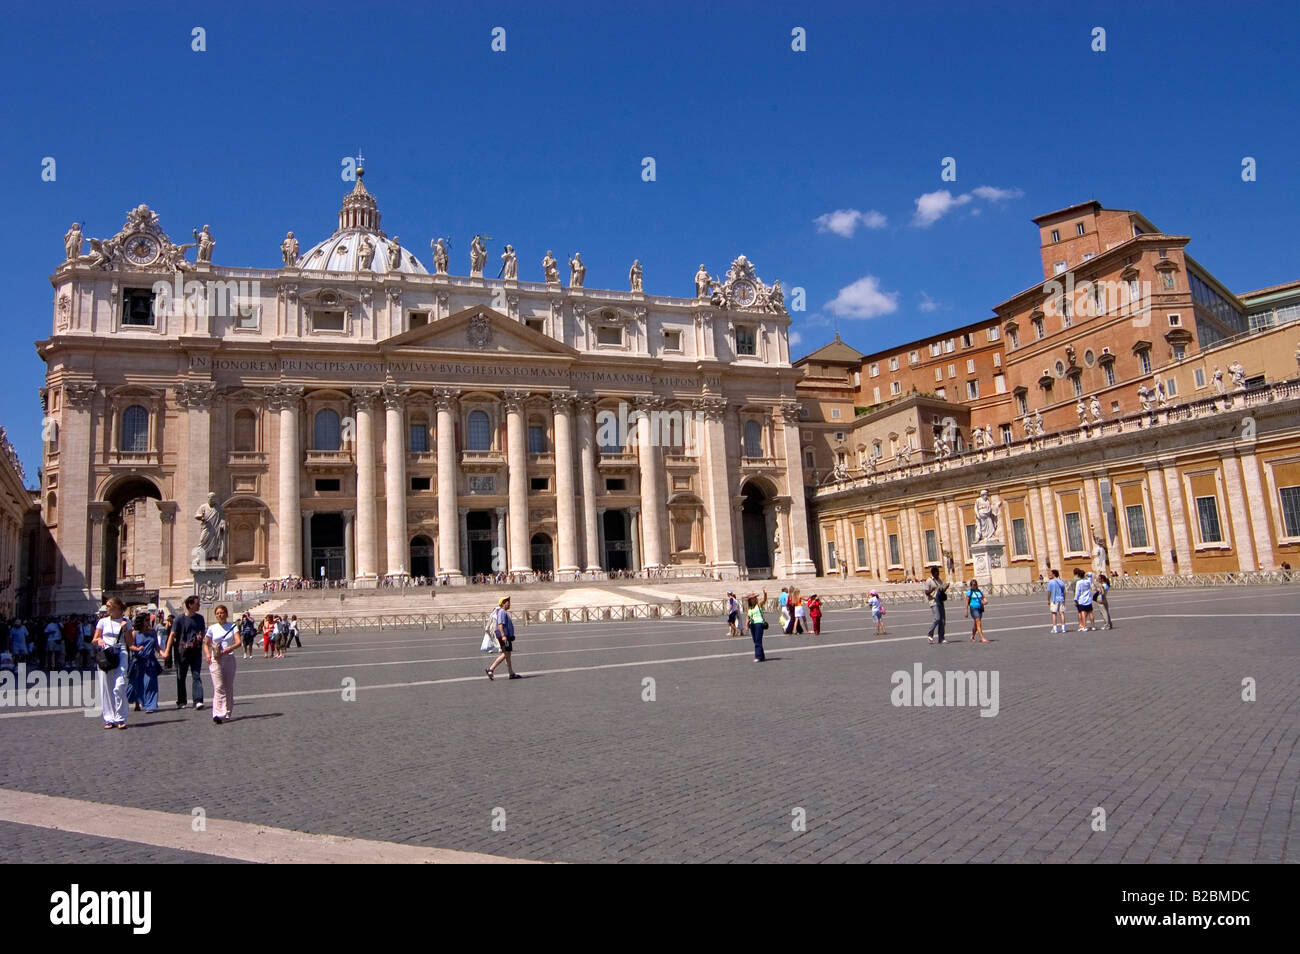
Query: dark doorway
{"type": "Point", "coordinates": [478, 531]}
{"type": "Point", "coordinates": [618, 548]}
{"type": "Point", "coordinates": [543, 561]}
{"type": "Point", "coordinates": [327, 547]}
{"type": "Point", "coordinates": [753, 521]}
{"type": "Point", "coordinates": [128, 491]}
{"type": "Point", "coordinates": [421, 556]}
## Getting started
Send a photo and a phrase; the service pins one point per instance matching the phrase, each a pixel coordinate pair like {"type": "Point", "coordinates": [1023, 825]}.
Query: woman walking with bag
{"type": "Point", "coordinates": [975, 610]}
{"type": "Point", "coordinates": [114, 641]}
{"type": "Point", "coordinates": [877, 612]}
{"type": "Point", "coordinates": [815, 614]}
{"type": "Point", "coordinates": [219, 645]}
{"type": "Point", "coordinates": [754, 619]}
{"type": "Point", "coordinates": [1100, 597]}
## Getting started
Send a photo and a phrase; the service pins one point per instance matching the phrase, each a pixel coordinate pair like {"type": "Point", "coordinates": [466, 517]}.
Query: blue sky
{"type": "Point", "coordinates": [541, 145]}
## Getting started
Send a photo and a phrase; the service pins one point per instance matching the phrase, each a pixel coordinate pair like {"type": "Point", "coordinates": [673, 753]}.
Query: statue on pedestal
{"type": "Point", "coordinates": [510, 263]}
{"type": "Point", "coordinates": [1162, 396]}
{"type": "Point", "coordinates": [477, 257]}
{"type": "Point", "coordinates": [72, 242]}
{"type": "Point", "coordinates": [703, 283]}
{"type": "Point", "coordinates": [289, 249]}
{"type": "Point", "coordinates": [1144, 396]}
{"type": "Point", "coordinates": [1094, 407]}
{"type": "Point", "coordinates": [439, 256]}
{"type": "Point", "coordinates": [1217, 377]}
{"type": "Point", "coordinates": [1082, 410]}
{"type": "Point", "coordinates": [212, 536]}
{"type": "Point", "coordinates": [552, 268]}
{"type": "Point", "coordinates": [986, 518]}
{"type": "Point", "coordinates": [1038, 423]}
{"type": "Point", "coordinates": [634, 275]}
{"type": "Point", "coordinates": [577, 271]}
{"type": "Point", "coordinates": [394, 255]}
{"type": "Point", "coordinates": [366, 253]}
{"type": "Point", "coordinates": [205, 242]}
{"type": "Point", "coordinates": [1238, 373]}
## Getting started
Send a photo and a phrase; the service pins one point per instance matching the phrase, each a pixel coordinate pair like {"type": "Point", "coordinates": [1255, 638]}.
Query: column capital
{"type": "Point", "coordinates": [445, 398]}
{"type": "Point", "coordinates": [500, 511]}
{"type": "Point", "coordinates": [79, 394]}
{"type": "Point", "coordinates": [713, 408]}
{"type": "Point", "coordinates": [462, 512]}
{"type": "Point", "coordinates": [196, 394]}
{"type": "Point", "coordinates": [167, 510]}
{"type": "Point", "coordinates": [364, 397]}
{"type": "Point", "coordinates": [561, 402]}
{"type": "Point", "coordinates": [349, 515]}
{"type": "Point", "coordinates": [633, 511]}
{"type": "Point", "coordinates": [788, 411]}
{"type": "Point", "coordinates": [395, 396]}
{"type": "Point", "coordinates": [514, 400]}
{"type": "Point", "coordinates": [585, 401]}
{"type": "Point", "coordinates": [284, 397]}
{"type": "Point", "coordinates": [97, 511]}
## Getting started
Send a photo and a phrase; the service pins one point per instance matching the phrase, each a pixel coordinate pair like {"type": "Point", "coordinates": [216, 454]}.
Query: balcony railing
{"type": "Point", "coordinates": [329, 458]}
{"type": "Point", "coordinates": [482, 458]}
{"type": "Point", "coordinates": [617, 459]}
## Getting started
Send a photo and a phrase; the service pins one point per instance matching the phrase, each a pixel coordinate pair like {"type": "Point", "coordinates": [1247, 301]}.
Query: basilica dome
{"type": "Point", "coordinates": [359, 236]}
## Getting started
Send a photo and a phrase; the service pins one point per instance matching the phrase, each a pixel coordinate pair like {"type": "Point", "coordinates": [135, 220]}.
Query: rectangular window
{"type": "Point", "coordinates": [857, 378]}
{"type": "Point", "coordinates": [893, 364]}
{"type": "Point", "coordinates": [1199, 374]}
{"type": "Point", "coordinates": [952, 370]}
{"type": "Point", "coordinates": [1013, 339]}
{"type": "Point", "coordinates": [1175, 321]}
{"type": "Point", "coordinates": [1077, 381]}
{"type": "Point", "coordinates": [421, 483]}
{"type": "Point", "coordinates": [1038, 328]}
{"type": "Point", "coordinates": [972, 390]}
{"type": "Point", "coordinates": [914, 358]}
{"type": "Point", "coordinates": [536, 324]}
{"type": "Point", "coordinates": [1137, 526]}
{"type": "Point", "coordinates": [539, 483]}
{"type": "Point", "coordinates": [1073, 532]}
{"type": "Point", "coordinates": [1110, 373]}
{"type": "Point", "coordinates": [1067, 312]}
{"type": "Point", "coordinates": [1290, 497]}
{"type": "Point", "coordinates": [931, 547]}
{"type": "Point", "coordinates": [999, 384]}
{"type": "Point", "coordinates": [862, 551]}
{"type": "Point", "coordinates": [615, 485]}
{"type": "Point", "coordinates": [418, 319]}
{"type": "Point", "coordinates": [950, 345]}
{"type": "Point", "coordinates": [248, 317]}
{"type": "Point", "coordinates": [970, 535]}
{"type": "Point", "coordinates": [1207, 511]}
{"type": "Point", "coordinates": [137, 307]}
{"type": "Point", "coordinates": [994, 333]}
{"type": "Point", "coordinates": [895, 559]}
{"type": "Point", "coordinates": [327, 320]}
{"type": "Point", "coordinates": [941, 393]}
{"type": "Point", "coordinates": [419, 439]}
{"type": "Point", "coordinates": [997, 359]}
{"type": "Point", "coordinates": [875, 395]}
{"type": "Point", "coordinates": [938, 374]}
{"type": "Point", "coordinates": [1056, 235]}
{"type": "Point", "coordinates": [875, 370]}
{"type": "Point", "coordinates": [328, 485]}
{"type": "Point", "coordinates": [970, 365]}
{"type": "Point", "coordinates": [830, 555]}
{"type": "Point", "coordinates": [895, 387]}
{"type": "Point", "coordinates": [613, 335]}
{"type": "Point", "coordinates": [1019, 537]}
{"type": "Point", "coordinates": [1022, 404]}
{"type": "Point", "coordinates": [746, 342]}
{"type": "Point", "coordinates": [935, 349]}
{"type": "Point", "coordinates": [1088, 255]}
{"type": "Point", "coordinates": [966, 340]}
{"type": "Point", "coordinates": [1171, 387]}
{"type": "Point", "coordinates": [1144, 359]}
{"type": "Point", "coordinates": [1058, 267]}
{"type": "Point", "coordinates": [672, 341]}
{"type": "Point", "coordinates": [536, 439]}
{"type": "Point", "coordinates": [835, 413]}
{"type": "Point", "coordinates": [1006, 434]}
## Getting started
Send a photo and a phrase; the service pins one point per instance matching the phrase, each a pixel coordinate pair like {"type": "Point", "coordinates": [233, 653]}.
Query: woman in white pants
{"type": "Point", "coordinates": [219, 645]}
{"type": "Point", "coordinates": [114, 632]}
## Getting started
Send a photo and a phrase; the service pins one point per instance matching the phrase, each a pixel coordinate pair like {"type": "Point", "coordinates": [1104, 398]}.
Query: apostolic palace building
{"type": "Point", "coordinates": [352, 415]}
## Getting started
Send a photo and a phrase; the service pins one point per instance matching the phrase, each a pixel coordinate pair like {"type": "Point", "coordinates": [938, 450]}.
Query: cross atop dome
{"type": "Point", "coordinates": [360, 210]}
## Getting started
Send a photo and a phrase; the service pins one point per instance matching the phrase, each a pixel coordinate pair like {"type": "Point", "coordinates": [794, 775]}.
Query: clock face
{"type": "Point", "coordinates": [142, 249]}
{"type": "Point", "coordinates": [744, 293]}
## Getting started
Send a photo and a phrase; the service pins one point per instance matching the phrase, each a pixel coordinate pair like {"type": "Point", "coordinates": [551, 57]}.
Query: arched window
{"type": "Point", "coordinates": [326, 430]}
{"type": "Point", "coordinates": [753, 439]}
{"type": "Point", "coordinates": [135, 430]}
{"type": "Point", "coordinates": [245, 431]}
{"type": "Point", "coordinates": [480, 431]}
{"type": "Point", "coordinates": [51, 509]}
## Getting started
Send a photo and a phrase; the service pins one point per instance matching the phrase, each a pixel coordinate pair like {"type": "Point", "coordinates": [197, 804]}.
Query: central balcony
{"type": "Point", "coordinates": [329, 461]}
{"type": "Point", "coordinates": [482, 459]}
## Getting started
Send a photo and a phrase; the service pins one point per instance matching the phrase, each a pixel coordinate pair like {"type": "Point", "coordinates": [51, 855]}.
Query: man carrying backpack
{"type": "Point", "coordinates": [936, 594]}
{"type": "Point", "coordinates": [186, 641]}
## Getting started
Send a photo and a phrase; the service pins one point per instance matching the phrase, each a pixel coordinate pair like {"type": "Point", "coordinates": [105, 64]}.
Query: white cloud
{"type": "Point", "coordinates": [928, 303]}
{"type": "Point", "coordinates": [844, 222]}
{"type": "Point", "coordinates": [994, 194]}
{"type": "Point", "coordinates": [933, 206]}
{"type": "Point", "coordinates": [864, 299]}
{"type": "Point", "coordinates": [795, 338]}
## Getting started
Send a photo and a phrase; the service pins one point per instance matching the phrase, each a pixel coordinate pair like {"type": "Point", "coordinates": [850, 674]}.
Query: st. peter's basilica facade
{"type": "Point", "coordinates": [352, 416]}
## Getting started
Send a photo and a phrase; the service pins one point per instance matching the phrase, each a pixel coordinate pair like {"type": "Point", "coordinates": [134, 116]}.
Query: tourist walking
{"type": "Point", "coordinates": [114, 641]}
{"type": "Point", "coordinates": [293, 633]}
{"type": "Point", "coordinates": [247, 633]}
{"type": "Point", "coordinates": [1083, 599]}
{"type": "Point", "coordinates": [18, 641]}
{"type": "Point", "coordinates": [975, 610]}
{"type": "Point", "coordinates": [1101, 597]}
{"type": "Point", "coordinates": [733, 614]}
{"type": "Point", "coordinates": [1056, 601]}
{"type": "Point", "coordinates": [783, 609]}
{"type": "Point", "coordinates": [815, 614]}
{"type": "Point", "coordinates": [756, 623]}
{"type": "Point", "coordinates": [144, 668]}
{"type": "Point", "coordinates": [877, 612]}
{"type": "Point", "coordinates": [800, 612]}
{"type": "Point", "coordinates": [505, 632]}
{"type": "Point", "coordinates": [268, 630]}
{"type": "Point", "coordinates": [185, 646]}
{"type": "Point", "coordinates": [936, 594]}
{"type": "Point", "coordinates": [219, 644]}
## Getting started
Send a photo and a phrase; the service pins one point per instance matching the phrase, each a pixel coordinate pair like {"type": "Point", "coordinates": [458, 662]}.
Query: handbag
{"type": "Point", "coordinates": [107, 658]}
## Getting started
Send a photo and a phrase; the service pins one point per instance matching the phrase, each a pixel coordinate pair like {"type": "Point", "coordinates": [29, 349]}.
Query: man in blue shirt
{"type": "Point", "coordinates": [505, 633]}
{"type": "Point", "coordinates": [1056, 600]}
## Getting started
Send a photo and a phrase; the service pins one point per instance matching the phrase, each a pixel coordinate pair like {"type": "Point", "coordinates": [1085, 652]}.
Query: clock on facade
{"type": "Point", "coordinates": [141, 249]}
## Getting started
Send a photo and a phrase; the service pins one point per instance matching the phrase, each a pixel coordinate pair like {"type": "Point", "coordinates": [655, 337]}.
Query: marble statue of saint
{"type": "Point", "coordinates": [289, 249]}
{"type": "Point", "coordinates": [1027, 423]}
{"type": "Point", "coordinates": [477, 257]}
{"type": "Point", "coordinates": [777, 297]}
{"type": "Point", "coordinates": [1218, 380]}
{"type": "Point", "coordinates": [1297, 354]}
{"type": "Point", "coordinates": [1082, 410]}
{"type": "Point", "coordinates": [1094, 406]}
{"type": "Point", "coordinates": [905, 453]}
{"type": "Point", "coordinates": [439, 256]}
{"type": "Point", "coordinates": [1038, 423]}
{"type": "Point", "coordinates": [212, 533]}
{"type": "Point", "coordinates": [394, 255]}
{"type": "Point", "coordinates": [577, 271]}
{"type": "Point", "coordinates": [72, 242]}
{"type": "Point", "coordinates": [204, 239]}
{"type": "Point", "coordinates": [988, 436]}
{"type": "Point", "coordinates": [1162, 396]}
{"type": "Point", "coordinates": [367, 252]}
{"type": "Point", "coordinates": [776, 539]}
{"type": "Point", "coordinates": [551, 268]}
{"type": "Point", "coordinates": [1069, 355]}
{"type": "Point", "coordinates": [510, 263]}
{"type": "Point", "coordinates": [634, 275]}
{"type": "Point", "coordinates": [986, 518]}
{"type": "Point", "coordinates": [1238, 372]}
{"type": "Point", "coordinates": [1144, 396]}
{"type": "Point", "coordinates": [977, 438]}
{"type": "Point", "coordinates": [703, 282]}
{"type": "Point", "coordinates": [1100, 554]}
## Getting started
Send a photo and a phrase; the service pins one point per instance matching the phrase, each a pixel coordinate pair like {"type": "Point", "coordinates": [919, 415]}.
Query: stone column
{"type": "Point", "coordinates": [349, 569]}
{"type": "Point", "coordinates": [462, 518]}
{"type": "Point", "coordinates": [634, 533]}
{"type": "Point", "coordinates": [566, 529]}
{"type": "Point", "coordinates": [800, 563]}
{"type": "Point", "coordinates": [499, 561]}
{"type": "Point", "coordinates": [195, 398]}
{"type": "Point", "coordinates": [599, 562]}
{"type": "Point", "coordinates": [395, 476]}
{"type": "Point", "coordinates": [286, 401]}
{"type": "Point", "coordinates": [1096, 519]}
{"type": "Point", "coordinates": [367, 526]}
{"type": "Point", "coordinates": [167, 531]}
{"type": "Point", "coordinates": [1238, 511]}
{"type": "Point", "coordinates": [738, 528]}
{"type": "Point", "coordinates": [652, 497]}
{"type": "Point", "coordinates": [308, 570]}
{"type": "Point", "coordinates": [1050, 526]}
{"type": "Point", "coordinates": [451, 528]}
{"type": "Point", "coordinates": [594, 551]}
{"type": "Point", "coordinates": [1178, 517]}
{"type": "Point", "coordinates": [1264, 552]}
{"type": "Point", "coordinates": [520, 560]}
{"type": "Point", "coordinates": [1035, 500]}
{"type": "Point", "coordinates": [1160, 517]}
{"type": "Point", "coordinates": [75, 488]}
{"type": "Point", "coordinates": [96, 562]}
{"type": "Point", "coordinates": [781, 510]}
{"type": "Point", "coordinates": [716, 481]}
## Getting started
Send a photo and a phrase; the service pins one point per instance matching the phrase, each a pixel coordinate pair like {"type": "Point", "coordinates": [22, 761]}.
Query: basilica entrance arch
{"type": "Point", "coordinates": [421, 556]}
{"type": "Point", "coordinates": [758, 522]}
{"type": "Point", "coordinates": [124, 565]}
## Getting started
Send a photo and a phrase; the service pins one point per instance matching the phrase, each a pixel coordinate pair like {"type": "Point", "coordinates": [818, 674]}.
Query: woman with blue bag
{"type": "Point", "coordinates": [975, 603]}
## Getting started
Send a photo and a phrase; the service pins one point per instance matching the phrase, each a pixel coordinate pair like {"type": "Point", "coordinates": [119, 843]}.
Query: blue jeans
{"type": "Point", "coordinates": [756, 634]}
{"type": "Point", "coordinates": [940, 618]}
{"type": "Point", "coordinates": [193, 664]}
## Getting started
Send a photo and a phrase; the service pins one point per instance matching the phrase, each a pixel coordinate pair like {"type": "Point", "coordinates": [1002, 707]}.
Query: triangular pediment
{"type": "Point", "coordinates": [478, 330]}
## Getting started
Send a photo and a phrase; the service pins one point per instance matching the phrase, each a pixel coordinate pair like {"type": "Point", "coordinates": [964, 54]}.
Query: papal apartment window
{"type": "Point", "coordinates": [893, 364]}
{"type": "Point", "coordinates": [966, 340]}
{"type": "Point", "coordinates": [935, 349]}
{"type": "Point", "coordinates": [417, 319]}
{"type": "Point", "coordinates": [613, 335]}
{"type": "Point", "coordinates": [938, 374]}
{"type": "Point", "coordinates": [1038, 328]}
{"type": "Point", "coordinates": [1078, 228]}
{"type": "Point", "coordinates": [875, 370]}
{"type": "Point", "coordinates": [1014, 339]}
{"type": "Point", "coordinates": [325, 431]}
{"type": "Point", "coordinates": [970, 365]}
{"type": "Point", "coordinates": [746, 342]}
{"type": "Point", "coordinates": [327, 321]}
{"type": "Point", "coordinates": [135, 430]}
{"type": "Point", "coordinates": [950, 345]}
{"type": "Point", "coordinates": [672, 341]}
{"type": "Point", "coordinates": [1056, 235]}
{"type": "Point", "coordinates": [1022, 404]}
{"type": "Point", "coordinates": [952, 370]}
{"type": "Point", "coordinates": [997, 359]}
{"type": "Point", "coordinates": [1290, 499]}
{"type": "Point", "coordinates": [1006, 433]}
{"type": "Point", "coordinates": [1137, 526]}
{"type": "Point", "coordinates": [972, 390]}
{"type": "Point", "coordinates": [1058, 267]}
{"type": "Point", "coordinates": [895, 387]}
{"type": "Point", "coordinates": [480, 432]}
{"type": "Point", "coordinates": [753, 439]}
{"type": "Point", "coordinates": [137, 307]}
{"type": "Point", "coordinates": [994, 333]}
{"type": "Point", "coordinates": [1110, 373]}
{"type": "Point", "coordinates": [1019, 537]}
{"type": "Point", "coordinates": [1144, 359]}
{"type": "Point", "coordinates": [1073, 532]}
{"type": "Point", "coordinates": [1207, 513]}
{"type": "Point", "coordinates": [914, 358]}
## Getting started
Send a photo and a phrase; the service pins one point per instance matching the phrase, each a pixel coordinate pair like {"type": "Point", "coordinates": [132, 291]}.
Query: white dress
{"type": "Point", "coordinates": [113, 685]}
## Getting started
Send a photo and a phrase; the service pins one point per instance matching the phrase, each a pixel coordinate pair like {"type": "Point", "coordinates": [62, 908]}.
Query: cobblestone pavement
{"type": "Point", "coordinates": [1146, 722]}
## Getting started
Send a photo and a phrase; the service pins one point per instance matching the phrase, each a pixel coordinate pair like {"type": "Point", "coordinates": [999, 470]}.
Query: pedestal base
{"type": "Point", "coordinates": [989, 560]}
{"type": "Point", "coordinates": [210, 584]}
